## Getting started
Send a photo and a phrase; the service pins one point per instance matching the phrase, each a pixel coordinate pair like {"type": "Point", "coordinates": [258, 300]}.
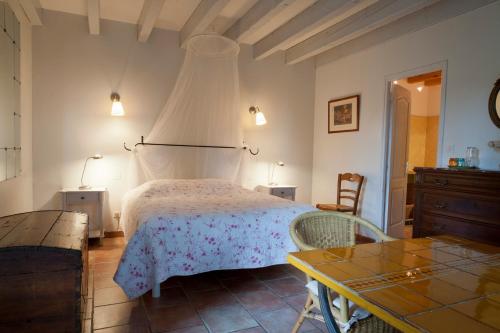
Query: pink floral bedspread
{"type": "Point", "coordinates": [185, 227]}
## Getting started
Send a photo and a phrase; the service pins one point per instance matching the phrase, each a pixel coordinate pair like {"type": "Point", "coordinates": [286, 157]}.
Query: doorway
{"type": "Point", "coordinates": [413, 136]}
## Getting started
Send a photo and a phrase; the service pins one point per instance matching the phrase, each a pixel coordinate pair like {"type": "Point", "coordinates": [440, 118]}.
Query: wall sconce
{"type": "Point", "coordinates": [259, 116]}
{"type": "Point", "coordinates": [82, 185]}
{"type": "Point", "coordinates": [116, 107]}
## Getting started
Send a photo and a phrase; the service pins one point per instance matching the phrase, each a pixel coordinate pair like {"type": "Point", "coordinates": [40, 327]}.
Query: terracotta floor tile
{"type": "Point", "coordinates": [105, 268]}
{"type": "Point", "coordinates": [260, 300]}
{"type": "Point", "coordinates": [244, 285]}
{"type": "Point", "coordinates": [125, 329]}
{"type": "Point", "coordinates": [282, 321]}
{"type": "Point", "coordinates": [174, 317]}
{"type": "Point", "coordinates": [287, 286]}
{"type": "Point", "coordinates": [228, 318]}
{"type": "Point", "coordinates": [206, 299]}
{"type": "Point", "coordinates": [108, 296]}
{"type": "Point", "coordinates": [104, 281]}
{"type": "Point", "coordinates": [192, 329]}
{"type": "Point", "coordinates": [257, 329]}
{"type": "Point", "coordinates": [296, 301]}
{"type": "Point", "coordinates": [168, 297]}
{"type": "Point", "coordinates": [119, 314]}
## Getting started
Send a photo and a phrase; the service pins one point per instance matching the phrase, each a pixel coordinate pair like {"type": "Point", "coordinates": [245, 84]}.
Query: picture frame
{"type": "Point", "coordinates": [343, 114]}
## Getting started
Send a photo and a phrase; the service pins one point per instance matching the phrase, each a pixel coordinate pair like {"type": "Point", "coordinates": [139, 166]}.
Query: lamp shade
{"type": "Point", "coordinates": [117, 109]}
{"type": "Point", "coordinates": [260, 119]}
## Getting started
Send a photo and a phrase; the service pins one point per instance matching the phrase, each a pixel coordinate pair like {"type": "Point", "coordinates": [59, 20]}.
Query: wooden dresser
{"type": "Point", "coordinates": [43, 272]}
{"type": "Point", "coordinates": [465, 203]}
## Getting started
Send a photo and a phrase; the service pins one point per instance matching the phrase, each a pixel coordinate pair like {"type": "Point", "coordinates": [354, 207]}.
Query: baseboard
{"type": "Point", "coordinates": [113, 234]}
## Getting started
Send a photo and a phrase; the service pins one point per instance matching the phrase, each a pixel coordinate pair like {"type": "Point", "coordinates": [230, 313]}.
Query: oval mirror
{"type": "Point", "coordinates": [494, 104]}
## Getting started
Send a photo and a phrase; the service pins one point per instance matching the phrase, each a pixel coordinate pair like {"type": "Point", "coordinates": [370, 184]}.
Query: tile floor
{"type": "Point", "coordinates": [244, 301]}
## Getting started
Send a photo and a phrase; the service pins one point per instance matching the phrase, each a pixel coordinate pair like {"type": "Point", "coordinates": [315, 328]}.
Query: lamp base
{"type": "Point", "coordinates": [84, 187]}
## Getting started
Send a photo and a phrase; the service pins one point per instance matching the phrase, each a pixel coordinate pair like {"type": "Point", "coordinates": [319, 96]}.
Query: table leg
{"type": "Point", "coordinates": [330, 322]}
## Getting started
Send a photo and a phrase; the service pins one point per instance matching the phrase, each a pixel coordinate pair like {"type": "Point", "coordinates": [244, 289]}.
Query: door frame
{"type": "Point", "coordinates": [387, 133]}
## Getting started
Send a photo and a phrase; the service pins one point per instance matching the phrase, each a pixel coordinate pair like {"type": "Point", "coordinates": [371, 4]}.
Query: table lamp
{"type": "Point", "coordinates": [82, 185]}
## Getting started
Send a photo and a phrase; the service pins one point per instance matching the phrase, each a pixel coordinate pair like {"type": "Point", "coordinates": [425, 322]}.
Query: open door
{"type": "Point", "coordinates": [397, 173]}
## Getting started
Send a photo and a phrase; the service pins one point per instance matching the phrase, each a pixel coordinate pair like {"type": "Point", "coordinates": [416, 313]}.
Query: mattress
{"type": "Point", "coordinates": [185, 227]}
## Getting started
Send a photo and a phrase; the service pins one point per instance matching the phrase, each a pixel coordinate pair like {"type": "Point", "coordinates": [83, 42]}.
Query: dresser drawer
{"type": "Point", "coordinates": [286, 193]}
{"type": "Point", "coordinates": [80, 198]}
{"type": "Point", "coordinates": [476, 182]}
{"type": "Point", "coordinates": [462, 206]}
{"type": "Point", "coordinates": [430, 224]}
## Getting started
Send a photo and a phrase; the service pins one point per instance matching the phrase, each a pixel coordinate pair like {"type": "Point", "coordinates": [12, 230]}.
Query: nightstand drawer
{"type": "Point", "coordinates": [286, 193]}
{"type": "Point", "coordinates": [77, 198]}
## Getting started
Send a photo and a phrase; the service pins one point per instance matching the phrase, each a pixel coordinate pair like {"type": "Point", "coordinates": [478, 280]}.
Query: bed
{"type": "Point", "coordinates": [185, 227]}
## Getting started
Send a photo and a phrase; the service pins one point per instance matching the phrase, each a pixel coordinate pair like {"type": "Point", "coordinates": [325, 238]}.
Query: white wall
{"type": "Point", "coordinates": [468, 45]}
{"type": "Point", "coordinates": [74, 74]}
{"type": "Point", "coordinates": [16, 194]}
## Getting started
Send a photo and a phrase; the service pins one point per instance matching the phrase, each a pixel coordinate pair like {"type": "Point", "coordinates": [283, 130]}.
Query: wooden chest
{"type": "Point", "coordinates": [43, 272]}
{"type": "Point", "coordinates": [465, 203]}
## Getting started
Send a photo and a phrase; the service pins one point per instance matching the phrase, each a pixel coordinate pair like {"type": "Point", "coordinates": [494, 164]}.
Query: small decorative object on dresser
{"type": "Point", "coordinates": [44, 284]}
{"type": "Point", "coordinates": [465, 203]}
{"type": "Point", "coordinates": [89, 201]}
{"type": "Point", "coordinates": [343, 114]}
{"type": "Point", "coordinates": [282, 191]}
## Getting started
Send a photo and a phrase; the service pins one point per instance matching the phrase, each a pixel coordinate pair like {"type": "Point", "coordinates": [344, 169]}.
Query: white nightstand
{"type": "Point", "coordinates": [89, 201]}
{"type": "Point", "coordinates": [282, 191]}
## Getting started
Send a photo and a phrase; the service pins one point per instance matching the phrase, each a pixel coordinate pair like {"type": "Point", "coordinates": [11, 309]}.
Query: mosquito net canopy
{"type": "Point", "coordinates": [203, 109]}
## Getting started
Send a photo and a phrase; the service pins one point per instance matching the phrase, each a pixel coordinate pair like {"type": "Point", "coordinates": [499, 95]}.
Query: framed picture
{"type": "Point", "coordinates": [343, 114]}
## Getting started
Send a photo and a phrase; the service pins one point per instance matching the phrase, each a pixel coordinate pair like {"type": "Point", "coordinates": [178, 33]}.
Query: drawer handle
{"type": "Point", "coordinates": [440, 205]}
{"type": "Point", "coordinates": [82, 198]}
{"type": "Point", "coordinates": [282, 192]}
{"type": "Point", "coordinates": [441, 182]}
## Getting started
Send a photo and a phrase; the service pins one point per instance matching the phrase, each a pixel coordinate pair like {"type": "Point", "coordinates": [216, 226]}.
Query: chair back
{"type": "Point", "coordinates": [324, 229]}
{"type": "Point", "coordinates": [345, 193]}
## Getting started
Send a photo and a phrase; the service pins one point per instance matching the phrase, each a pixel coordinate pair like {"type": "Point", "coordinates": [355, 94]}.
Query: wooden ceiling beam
{"type": "Point", "coordinates": [201, 18]}
{"type": "Point", "coordinates": [375, 16]}
{"type": "Point", "coordinates": [33, 10]}
{"type": "Point", "coordinates": [94, 16]}
{"type": "Point", "coordinates": [151, 10]}
{"type": "Point", "coordinates": [424, 77]}
{"type": "Point", "coordinates": [260, 13]}
{"type": "Point", "coordinates": [432, 82]}
{"type": "Point", "coordinates": [429, 16]}
{"type": "Point", "coordinates": [312, 20]}
{"type": "Point", "coordinates": [18, 10]}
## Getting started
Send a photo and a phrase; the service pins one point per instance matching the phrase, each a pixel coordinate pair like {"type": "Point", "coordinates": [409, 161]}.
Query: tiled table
{"type": "Point", "coordinates": [438, 284]}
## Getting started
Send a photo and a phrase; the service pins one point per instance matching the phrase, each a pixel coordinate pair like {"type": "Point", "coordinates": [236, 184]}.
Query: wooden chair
{"type": "Point", "coordinates": [321, 229]}
{"type": "Point", "coordinates": [342, 194]}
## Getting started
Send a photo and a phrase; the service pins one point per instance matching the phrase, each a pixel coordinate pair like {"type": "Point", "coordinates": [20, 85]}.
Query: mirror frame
{"type": "Point", "coordinates": [492, 104]}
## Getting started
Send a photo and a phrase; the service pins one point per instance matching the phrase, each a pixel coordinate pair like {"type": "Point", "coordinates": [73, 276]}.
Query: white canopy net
{"type": "Point", "coordinates": [203, 109]}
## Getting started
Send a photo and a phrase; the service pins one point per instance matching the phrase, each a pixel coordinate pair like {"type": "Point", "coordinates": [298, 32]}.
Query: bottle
{"type": "Point", "coordinates": [472, 157]}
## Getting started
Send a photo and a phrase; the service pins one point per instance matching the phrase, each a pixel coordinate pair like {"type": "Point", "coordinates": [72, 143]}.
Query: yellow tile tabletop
{"type": "Point", "coordinates": [433, 284]}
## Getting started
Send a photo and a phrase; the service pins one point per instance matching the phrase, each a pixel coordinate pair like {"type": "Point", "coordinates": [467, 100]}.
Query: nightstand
{"type": "Point", "coordinates": [89, 201]}
{"type": "Point", "coordinates": [282, 191]}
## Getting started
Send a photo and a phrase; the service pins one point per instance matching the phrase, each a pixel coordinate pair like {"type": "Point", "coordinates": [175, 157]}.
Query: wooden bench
{"type": "Point", "coordinates": [43, 272]}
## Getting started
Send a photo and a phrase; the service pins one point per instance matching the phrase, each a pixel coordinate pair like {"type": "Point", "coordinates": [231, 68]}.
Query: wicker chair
{"type": "Point", "coordinates": [322, 229]}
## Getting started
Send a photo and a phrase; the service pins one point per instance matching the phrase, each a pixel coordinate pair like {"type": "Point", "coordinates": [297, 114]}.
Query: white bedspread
{"type": "Point", "coordinates": [185, 227]}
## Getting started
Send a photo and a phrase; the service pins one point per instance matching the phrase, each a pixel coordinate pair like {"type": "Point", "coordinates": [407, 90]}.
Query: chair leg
{"type": "Point", "coordinates": [344, 309]}
{"type": "Point", "coordinates": [303, 313]}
